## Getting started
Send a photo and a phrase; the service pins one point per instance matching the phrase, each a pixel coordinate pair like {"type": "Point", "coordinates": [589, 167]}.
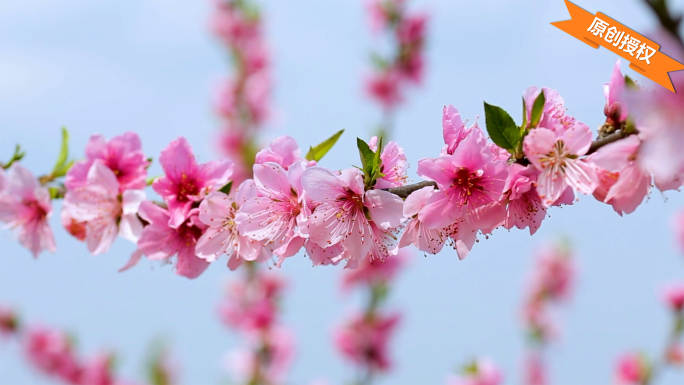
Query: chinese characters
{"type": "Point", "coordinates": [622, 41]}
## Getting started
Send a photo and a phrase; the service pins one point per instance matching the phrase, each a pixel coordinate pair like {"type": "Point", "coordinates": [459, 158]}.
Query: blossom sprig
{"type": "Point", "coordinates": [52, 352]}
{"type": "Point", "coordinates": [473, 186]}
{"type": "Point", "coordinates": [364, 338]}
{"type": "Point", "coordinates": [242, 101]}
{"type": "Point", "coordinates": [550, 284]}
{"type": "Point", "coordinates": [251, 308]}
{"type": "Point", "coordinates": [405, 64]}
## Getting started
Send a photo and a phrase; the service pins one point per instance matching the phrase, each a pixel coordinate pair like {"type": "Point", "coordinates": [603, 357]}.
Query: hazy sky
{"type": "Point", "coordinates": [151, 66]}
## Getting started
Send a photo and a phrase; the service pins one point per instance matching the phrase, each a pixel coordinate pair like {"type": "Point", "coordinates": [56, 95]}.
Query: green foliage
{"type": "Point", "coordinates": [501, 128]}
{"type": "Point", "coordinates": [317, 152]}
{"type": "Point", "coordinates": [17, 156]}
{"type": "Point", "coordinates": [371, 164]}
{"type": "Point", "coordinates": [226, 189]}
{"type": "Point", "coordinates": [537, 109]}
{"type": "Point", "coordinates": [63, 164]}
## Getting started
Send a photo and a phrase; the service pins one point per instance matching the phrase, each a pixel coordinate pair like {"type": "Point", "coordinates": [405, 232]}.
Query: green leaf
{"type": "Point", "coordinates": [61, 171]}
{"type": "Point", "coordinates": [226, 189]}
{"type": "Point", "coordinates": [377, 162]}
{"type": "Point", "coordinates": [17, 156]}
{"type": "Point", "coordinates": [367, 156]}
{"type": "Point", "coordinates": [63, 152]}
{"type": "Point", "coordinates": [537, 109]}
{"type": "Point", "coordinates": [501, 127]}
{"type": "Point", "coordinates": [317, 152]}
{"type": "Point", "coordinates": [630, 84]}
{"type": "Point", "coordinates": [524, 124]}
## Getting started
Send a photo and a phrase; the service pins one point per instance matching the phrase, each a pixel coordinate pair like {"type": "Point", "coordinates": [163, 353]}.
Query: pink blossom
{"type": "Point", "coordinates": [554, 274]}
{"type": "Point", "coordinates": [482, 372]}
{"type": "Point", "coordinates": [365, 340]}
{"type": "Point", "coordinates": [277, 216]}
{"type": "Point", "coordinates": [384, 87]}
{"type": "Point", "coordinates": [394, 164]}
{"type": "Point", "coordinates": [26, 207]}
{"type": "Point", "coordinates": [75, 228]}
{"type": "Point", "coordinates": [631, 369]}
{"type": "Point", "coordinates": [525, 208]}
{"type": "Point", "coordinates": [534, 371]}
{"type": "Point", "coordinates": [673, 296]}
{"type": "Point", "coordinates": [412, 67]}
{"type": "Point", "coordinates": [470, 184]}
{"type": "Point", "coordinates": [416, 233]}
{"type": "Point", "coordinates": [346, 213]}
{"type": "Point", "coordinates": [185, 181]}
{"type": "Point", "coordinates": [252, 305]}
{"type": "Point", "coordinates": [454, 129]}
{"type": "Point", "coordinates": [232, 143]}
{"type": "Point", "coordinates": [122, 154]}
{"type": "Point", "coordinates": [218, 211]}
{"type": "Point", "coordinates": [620, 160]}
{"type": "Point", "coordinates": [159, 241]}
{"type": "Point", "coordinates": [257, 92]}
{"type": "Point", "coordinates": [555, 155]}
{"type": "Point", "coordinates": [232, 26]}
{"type": "Point", "coordinates": [659, 117]}
{"type": "Point", "coordinates": [553, 116]}
{"type": "Point", "coordinates": [614, 91]}
{"type": "Point", "coordinates": [98, 371]}
{"type": "Point", "coordinates": [50, 351]}
{"type": "Point", "coordinates": [282, 150]}
{"type": "Point", "coordinates": [372, 272]}
{"type": "Point", "coordinates": [104, 212]}
{"type": "Point", "coordinates": [272, 366]}
{"type": "Point", "coordinates": [411, 30]}
{"type": "Point", "coordinates": [383, 12]}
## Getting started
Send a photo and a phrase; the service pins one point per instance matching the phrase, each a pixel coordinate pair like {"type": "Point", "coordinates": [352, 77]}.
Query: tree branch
{"type": "Point", "coordinates": [614, 137]}
{"type": "Point", "coordinates": [405, 191]}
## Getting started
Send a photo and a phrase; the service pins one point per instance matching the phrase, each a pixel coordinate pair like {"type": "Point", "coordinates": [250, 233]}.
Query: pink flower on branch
{"type": "Point", "coordinates": [218, 212]}
{"type": "Point", "coordinates": [348, 215]}
{"type": "Point", "coordinates": [122, 154]}
{"type": "Point", "coordinates": [470, 184]}
{"type": "Point", "coordinates": [104, 212]}
{"type": "Point", "coordinates": [556, 155]}
{"type": "Point", "coordinates": [185, 182]}
{"type": "Point", "coordinates": [26, 207]}
{"type": "Point", "coordinates": [673, 296]}
{"type": "Point", "coordinates": [623, 183]}
{"type": "Point", "coordinates": [365, 340]}
{"type": "Point", "coordinates": [159, 241]}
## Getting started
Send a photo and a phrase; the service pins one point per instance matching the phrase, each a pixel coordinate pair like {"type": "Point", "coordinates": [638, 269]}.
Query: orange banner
{"type": "Point", "coordinates": [642, 53]}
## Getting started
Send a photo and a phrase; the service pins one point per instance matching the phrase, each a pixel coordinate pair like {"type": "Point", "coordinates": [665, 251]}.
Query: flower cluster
{"type": "Point", "coordinates": [386, 84]}
{"type": "Point", "coordinates": [52, 352]}
{"type": "Point", "coordinates": [550, 283]}
{"type": "Point", "coordinates": [242, 101]}
{"type": "Point", "coordinates": [251, 308]}
{"type": "Point", "coordinates": [364, 338]}
{"type": "Point", "coordinates": [475, 185]}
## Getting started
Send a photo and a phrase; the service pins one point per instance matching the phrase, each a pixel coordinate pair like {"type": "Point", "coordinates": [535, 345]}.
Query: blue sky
{"type": "Point", "coordinates": [150, 66]}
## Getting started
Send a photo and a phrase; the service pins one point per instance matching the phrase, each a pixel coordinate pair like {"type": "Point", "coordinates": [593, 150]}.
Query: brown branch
{"type": "Point", "coordinates": [614, 137]}
{"type": "Point", "coordinates": [405, 191]}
